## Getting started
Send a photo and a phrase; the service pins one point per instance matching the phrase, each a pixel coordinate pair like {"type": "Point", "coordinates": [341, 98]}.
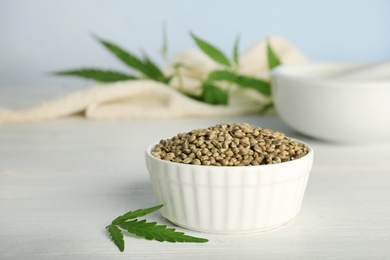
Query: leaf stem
{"type": "Point", "coordinates": [177, 67]}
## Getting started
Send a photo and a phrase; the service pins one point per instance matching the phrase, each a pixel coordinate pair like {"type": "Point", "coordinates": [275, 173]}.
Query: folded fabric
{"type": "Point", "coordinates": [146, 99]}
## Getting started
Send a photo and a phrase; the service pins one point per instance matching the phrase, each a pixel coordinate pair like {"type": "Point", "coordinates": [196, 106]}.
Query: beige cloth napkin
{"type": "Point", "coordinates": [145, 99]}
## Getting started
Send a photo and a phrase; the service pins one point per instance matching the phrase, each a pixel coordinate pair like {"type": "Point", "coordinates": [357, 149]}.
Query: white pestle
{"type": "Point", "coordinates": [378, 71]}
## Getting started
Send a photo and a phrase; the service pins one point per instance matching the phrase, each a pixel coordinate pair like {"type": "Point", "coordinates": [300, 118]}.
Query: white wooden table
{"type": "Point", "coordinates": [62, 182]}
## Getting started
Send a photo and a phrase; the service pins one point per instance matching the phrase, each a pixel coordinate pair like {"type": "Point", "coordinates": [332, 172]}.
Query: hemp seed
{"type": "Point", "coordinates": [230, 145]}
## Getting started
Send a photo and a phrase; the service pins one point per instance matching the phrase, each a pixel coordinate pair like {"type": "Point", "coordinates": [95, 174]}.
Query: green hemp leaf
{"type": "Point", "coordinates": [273, 59]}
{"type": "Point", "coordinates": [145, 66]}
{"type": "Point", "coordinates": [242, 81]}
{"type": "Point", "coordinates": [116, 236]}
{"type": "Point", "coordinates": [211, 91]}
{"type": "Point", "coordinates": [235, 51]}
{"type": "Point", "coordinates": [212, 94]}
{"type": "Point", "coordinates": [97, 74]}
{"type": "Point", "coordinates": [148, 230]}
{"type": "Point", "coordinates": [213, 52]}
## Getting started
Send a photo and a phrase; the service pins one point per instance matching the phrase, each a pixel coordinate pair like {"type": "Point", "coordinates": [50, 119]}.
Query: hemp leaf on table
{"type": "Point", "coordinates": [147, 230]}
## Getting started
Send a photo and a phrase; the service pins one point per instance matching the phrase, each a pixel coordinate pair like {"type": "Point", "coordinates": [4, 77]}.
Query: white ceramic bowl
{"type": "Point", "coordinates": [312, 101]}
{"type": "Point", "coordinates": [229, 199]}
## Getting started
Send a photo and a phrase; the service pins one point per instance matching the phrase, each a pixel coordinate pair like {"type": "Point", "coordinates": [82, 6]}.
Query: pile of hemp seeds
{"type": "Point", "coordinates": [230, 145]}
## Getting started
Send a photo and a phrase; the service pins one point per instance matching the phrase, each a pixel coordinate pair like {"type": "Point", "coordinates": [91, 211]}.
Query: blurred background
{"type": "Point", "coordinates": [42, 36]}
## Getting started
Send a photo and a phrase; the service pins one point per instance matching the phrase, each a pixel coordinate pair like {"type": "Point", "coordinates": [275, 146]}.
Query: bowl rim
{"type": "Point", "coordinates": [281, 164]}
{"type": "Point", "coordinates": [282, 72]}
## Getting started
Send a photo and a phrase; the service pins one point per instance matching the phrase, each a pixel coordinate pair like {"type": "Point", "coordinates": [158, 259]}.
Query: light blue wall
{"type": "Point", "coordinates": [47, 35]}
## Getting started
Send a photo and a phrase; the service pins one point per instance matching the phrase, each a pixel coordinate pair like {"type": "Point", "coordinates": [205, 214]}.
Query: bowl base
{"type": "Point", "coordinates": [232, 232]}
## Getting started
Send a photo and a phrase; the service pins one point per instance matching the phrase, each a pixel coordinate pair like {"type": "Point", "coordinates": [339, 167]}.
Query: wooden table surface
{"type": "Point", "coordinates": [62, 182]}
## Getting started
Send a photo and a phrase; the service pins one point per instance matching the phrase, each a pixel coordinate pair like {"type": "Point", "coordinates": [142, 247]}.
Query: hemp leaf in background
{"type": "Point", "coordinates": [273, 60]}
{"type": "Point", "coordinates": [235, 51]}
{"type": "Point", "coordinates": [213, 52]}
{"type": "Point", "coordinates": [145, 66]}
{"type": "Point", "coordinates": [241, 80]}
{"type": "Point", "coordinates": [98, 74]}
{"type": "Point", "coordinates": [230, 74]}
{"type": "Point", "coordinates": [164, 47]}
{"type": "Point", "coordinates": [147, 230]}
{"type": "Point", "coordinates": [211, 92]}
